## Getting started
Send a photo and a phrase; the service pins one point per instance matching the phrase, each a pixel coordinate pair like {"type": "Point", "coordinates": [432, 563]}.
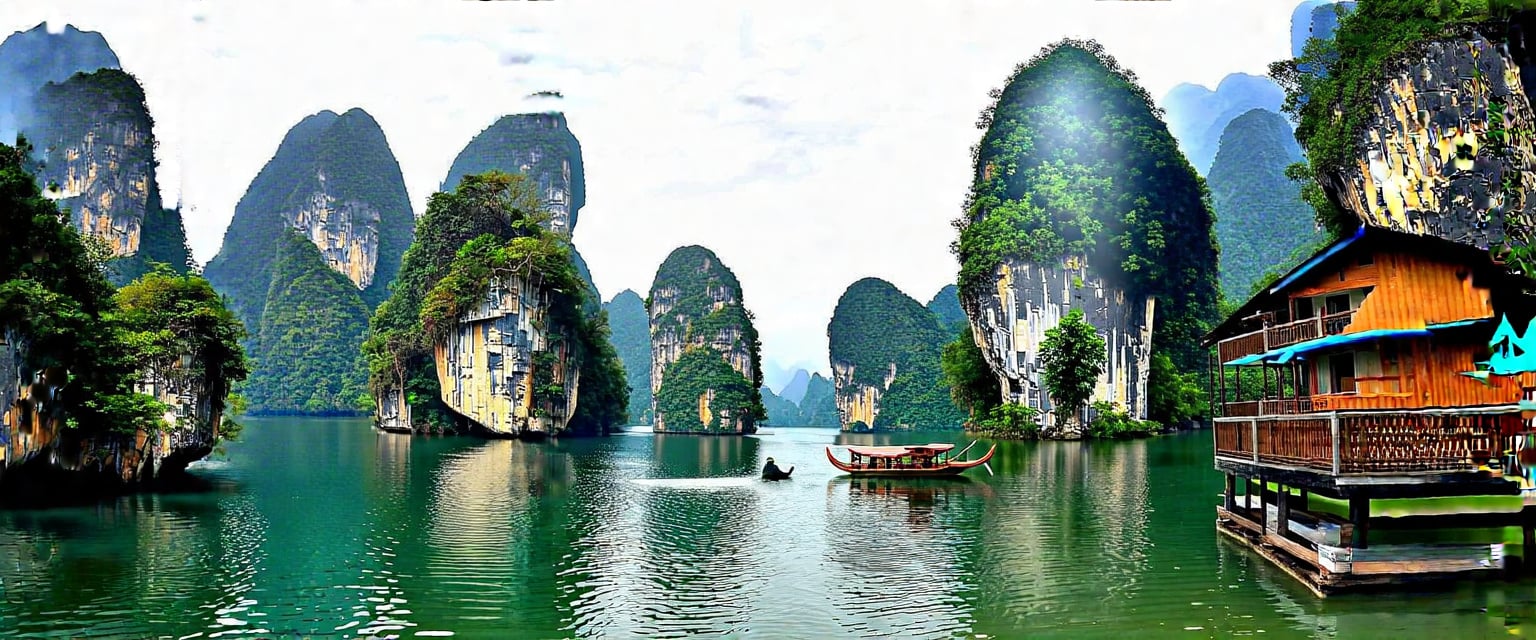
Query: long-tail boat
{"type": "Point", "coordinates": [917, 460]}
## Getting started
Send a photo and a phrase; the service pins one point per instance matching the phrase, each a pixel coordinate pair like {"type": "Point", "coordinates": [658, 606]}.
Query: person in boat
{"type": "Point", "coordinates": [772, 471]}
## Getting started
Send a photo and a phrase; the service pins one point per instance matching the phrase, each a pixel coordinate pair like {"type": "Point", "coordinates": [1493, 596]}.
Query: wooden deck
{"type": "Point", "coordinates": [1327, 569]}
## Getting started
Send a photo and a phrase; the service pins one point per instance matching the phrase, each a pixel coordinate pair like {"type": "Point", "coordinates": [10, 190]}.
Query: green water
{"type": "Point", "coordinates": [326, 528]}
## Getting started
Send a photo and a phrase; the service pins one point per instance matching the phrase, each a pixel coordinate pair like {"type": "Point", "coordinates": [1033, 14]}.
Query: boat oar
{"type": "Point", "coordinates": [989, 469]}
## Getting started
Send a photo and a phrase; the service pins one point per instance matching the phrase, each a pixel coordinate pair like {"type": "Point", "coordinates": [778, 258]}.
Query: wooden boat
{"type": "Point", "coordinates": [918, 460]}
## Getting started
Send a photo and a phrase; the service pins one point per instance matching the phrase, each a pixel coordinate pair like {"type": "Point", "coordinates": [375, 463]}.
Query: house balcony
{"type": "Point", "coordinates": [1283, 335]}
{"type": "Point", "coordinates": [1333, 449]}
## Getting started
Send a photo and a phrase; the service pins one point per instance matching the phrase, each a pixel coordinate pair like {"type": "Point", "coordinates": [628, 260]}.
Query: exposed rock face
{"type": "Point", "coordinates": [500, 368]}
{"type": "Point", "coordinates": [1030, 299]}
{"type": "Point", "coordinates": [1444, 155]}
{"type": "Point", "coordinates": [32, 58]}
{"type": "Point", "coordinates": [33, 432]}
{"type": "Point", "coordinates": [696, 306]}
{"type": "Point", "coordinates": [885, 349]}
{"type": "Point", "coordinates": [96, 139]}
{"type": "Point", "coordinates": [540, 145]}
{"type": "Point", "coordinates": [335, 181]}
{"type": "Point", "coordinates": [631, 338]}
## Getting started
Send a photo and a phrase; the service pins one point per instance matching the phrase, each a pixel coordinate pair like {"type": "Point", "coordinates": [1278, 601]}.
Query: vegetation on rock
{"type": "Point", "coordinates": [698, 372]}
{"type": "Point", "coordinates": [109, 104]}
{"type": "Point", "coordinates": [1333, 88]}
{"type": "Point", "coordinates": [307, 360]}
{"type": "Point", "coordinates": [488, 227]}
{"type": "Point", "coordinates": [972, 385]}
{"type": "Point", "coordinates": [705, 312]}
{"type": "Point", "coordinates": [631, 337]}
{"type": "Point", "coordinates": [539, 145]}
{"type": "Point", "coordinates": [1054, 177]}
{"type": "Point", "coordinates": [817, 407]}
{"type": "Point", "coordinates": [56, 299]}
{"type": "Point", "coordinates": [946, 305]}
{"type": "Point", "coordinates": [1260, 216]}
{"type": "Point", "coordinates": [875, 326]}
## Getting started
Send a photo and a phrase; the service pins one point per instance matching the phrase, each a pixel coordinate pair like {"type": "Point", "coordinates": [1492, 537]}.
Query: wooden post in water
{"type": "Point", "coordinates": [1283, 511]}
{"type": "Point", "coordinates": [1230, 493]}
{"type": "Point", "coordinates": [1263, 510]}
{"type": "Point", "coordinates": [1360, 515]}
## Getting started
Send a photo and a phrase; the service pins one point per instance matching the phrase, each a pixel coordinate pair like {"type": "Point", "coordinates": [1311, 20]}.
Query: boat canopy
{"type": "Point", "coordinates": [905, 450]}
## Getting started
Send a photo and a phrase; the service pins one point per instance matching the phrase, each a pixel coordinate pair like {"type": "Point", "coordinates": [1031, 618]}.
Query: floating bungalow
{"type": "Point", "coordinates": [1382, 373]}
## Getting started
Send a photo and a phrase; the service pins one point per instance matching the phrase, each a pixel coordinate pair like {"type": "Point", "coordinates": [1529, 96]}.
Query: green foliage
{"type": "Point", "coordinates": [489, 228]}
{"type": "Point", "coordinates": [972, 385]}
{"type": "Point", "coordinates": [352, 154]}
{"type": "Point", "coordinates": [1109, 422]}
{"type": "Point", "coordinates": [1261, 218]}
{"type": "Point", "coordinates": [55, 298]}
{"type": "Point", "coordinates": [1174, 398]}
{"type": "Point", "coordinates": [1076, 161]}
{"type": "Point", "coordinates": [696, 279]}
{"type": "Point", "coordinates": [604, 394]}
{"type": "Point", "coordinates": [946, 305]}
{"type": "Point", "coordinates": [540, 141]}
{"type": "Point", "coordinates": [1071, 359]}
{"type": "Point", "coordinates": [1333, 88]}
{"type": "Point", "coordinates": [876, 326]}
{"type": "Point", "coordinates": [1007, 421]}
{"type": "Point", "coordinates": [696, 372]}
{"type": "Point", "coordinates": [305, 349]}
{"type": "Point", "coordinates": [631, 334]}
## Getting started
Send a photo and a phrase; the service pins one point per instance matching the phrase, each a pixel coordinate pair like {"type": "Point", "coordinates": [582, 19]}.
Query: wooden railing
{"type": "Point", "coordinates": [1255, 408]}
{"type": "Point", "coordinates": [1356, 443]}
{"type": "Point", "coordinates": [1283, 335]}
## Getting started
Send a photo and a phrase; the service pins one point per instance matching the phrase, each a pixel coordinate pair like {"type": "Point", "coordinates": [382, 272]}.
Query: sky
{"type": "Point", "coordinates": [808, 143]}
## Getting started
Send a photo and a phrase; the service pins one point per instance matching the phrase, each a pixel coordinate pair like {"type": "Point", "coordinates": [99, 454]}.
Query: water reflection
{"type": "Point", "coordinates": [893, 553]}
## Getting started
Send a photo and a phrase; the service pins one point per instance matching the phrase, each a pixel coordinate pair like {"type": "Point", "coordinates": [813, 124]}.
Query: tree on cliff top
{"type": "Point", "coordinates": [1075, 161]}
{"type": "Point", "coordinates": [1333, 88]}
{"type": "Point", "coordinates": [486, 227]}
{"type": "Point", "coordinates": [1071, 360]}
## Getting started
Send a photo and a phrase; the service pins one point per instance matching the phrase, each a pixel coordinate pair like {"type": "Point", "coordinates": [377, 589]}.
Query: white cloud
{"type": "Point", "coordinates": [808, 143]}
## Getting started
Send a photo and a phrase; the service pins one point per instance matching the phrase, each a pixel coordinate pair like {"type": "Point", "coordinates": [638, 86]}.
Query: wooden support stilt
{"type": "Point", "coordinates": [1302, 500]}
{"type": "Point", "coordinates": [1528, 548]}
{"type": "Point", "coordinates": [1283, 511]}
{"type": "Point", "coordinates": [1263, 510]}
{"type": "Point", "coordinates": [1360, 515]}
{"type": "Point", "coordinates": [1231, 493]}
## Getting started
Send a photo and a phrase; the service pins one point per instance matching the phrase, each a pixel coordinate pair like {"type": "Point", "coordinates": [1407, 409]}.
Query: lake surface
{"type": "Point", "coordinates": [327, 528]}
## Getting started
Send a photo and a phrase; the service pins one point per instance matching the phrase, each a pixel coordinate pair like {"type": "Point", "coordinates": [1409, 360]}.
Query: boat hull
{"type": "Point", "coordinates": [948, 469]}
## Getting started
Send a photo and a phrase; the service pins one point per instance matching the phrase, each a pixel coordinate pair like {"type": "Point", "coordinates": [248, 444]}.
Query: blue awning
{"type": "Point", "coordinates": [1318, 259]}
{"type": "Point", "coordinates": [1286, 354]}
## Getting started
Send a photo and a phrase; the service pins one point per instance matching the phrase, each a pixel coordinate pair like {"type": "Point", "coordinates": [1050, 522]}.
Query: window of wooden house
{"type": "Point", "coordinates": [1336, 303]}
{"type": "Point", "coordinates": [1303, 308]}
{"type": "Point", "coordinates": [1341, 373]}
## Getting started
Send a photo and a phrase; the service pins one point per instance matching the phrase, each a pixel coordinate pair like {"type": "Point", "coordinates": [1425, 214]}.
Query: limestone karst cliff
{"type": "Point", "coordinates": [1261, 220]}
{"type": "Point", "coordinates": [1093, 210]}
{"type": "Point", "coordinates": [632, 338]}
{"type": "Point", "coordinates": [539, 145]}
{"type": "Point", "coordinates": [100, 387]}
{"type": "Point", "coordinates": [1438, 142]}
{"type": "Point", "coordinates": [96, 149]}
{"type": "Point", "coordinates": [706, 366]}
{"type": "Point", "coordinates": [885, 351]}
{"type": "Point", "coordinates": [542, 147]}
{"type": "Point", "coordinates": [335, 182]}
{"type": "Point", "coordinates": [486, 331]}
{"type": "Point", "coordinates": [32, 58]}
